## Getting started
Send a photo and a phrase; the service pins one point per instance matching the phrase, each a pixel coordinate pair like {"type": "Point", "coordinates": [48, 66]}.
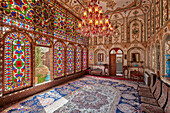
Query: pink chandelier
{"type": "Point", "coordinates": [93, 22]}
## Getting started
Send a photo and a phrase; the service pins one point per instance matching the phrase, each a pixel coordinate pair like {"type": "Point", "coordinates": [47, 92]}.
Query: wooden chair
{"type": "Point", "coordinates": [125, 68]}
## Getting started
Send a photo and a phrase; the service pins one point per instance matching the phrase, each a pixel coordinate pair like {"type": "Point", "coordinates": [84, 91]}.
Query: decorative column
{"type": "Point", "coordinates": [1, 59]}
{"type": "Point", "coordinates": [167, 65]}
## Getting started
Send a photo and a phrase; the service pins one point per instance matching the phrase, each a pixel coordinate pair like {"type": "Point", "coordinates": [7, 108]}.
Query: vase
{"type": "Point", "coordinates": [36, 80]}
{"type": "Point", "coordinates": [47, 77]}
{"type": "Point", "coordinates": [135, 64]}
{"type": "Point", "coordinates": [167, 65]}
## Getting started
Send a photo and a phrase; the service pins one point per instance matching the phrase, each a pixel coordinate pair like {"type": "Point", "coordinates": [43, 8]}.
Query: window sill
{"type": "Point", "coordinates": [165, 79]}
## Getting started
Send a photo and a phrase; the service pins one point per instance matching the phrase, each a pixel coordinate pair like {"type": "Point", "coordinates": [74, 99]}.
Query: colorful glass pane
{"type": "Point", "coordinates": [43, 14]}
{"type": "Point", "coordinates": [70, 59]}
{"type": "Point", "coordinates": [59, 22]}
{"type": "Point", "coordinates": [78, 59]}
{"type": "Point", "coordinates": [9, 21]}
{"type": "Point", "coordinates": [19, 9]}
{"type": "Point", "coordinates": [59, 59]}
{"type": "Point", "coordinates": [84, 59]}
{"type": "Point", "coordinates": [43, 41]}
{"type": "Point", "coordinates": [17, 61]}
{"type": "Point", "coordinates": [70, 25]}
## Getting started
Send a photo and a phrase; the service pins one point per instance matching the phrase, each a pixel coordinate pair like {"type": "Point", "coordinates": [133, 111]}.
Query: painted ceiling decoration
{"type": "Point", "coordinates": [112, 6]}
{"type": "Point", "coordinates": [109, 7]}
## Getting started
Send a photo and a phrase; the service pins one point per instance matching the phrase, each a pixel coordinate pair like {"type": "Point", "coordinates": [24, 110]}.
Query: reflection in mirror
{"type": "Point", "coordinates": [135, 57]}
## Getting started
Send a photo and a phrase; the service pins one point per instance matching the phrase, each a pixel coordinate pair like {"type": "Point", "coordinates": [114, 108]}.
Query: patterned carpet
{"type": "Point", "coordinates": [85, 95]}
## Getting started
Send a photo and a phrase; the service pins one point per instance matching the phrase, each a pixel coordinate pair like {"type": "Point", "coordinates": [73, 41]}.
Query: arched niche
{"type": "Point", "coordinates": [135, 29]}
{"type": "Point", "coordinates": [135, 55]}
{"type": "Point", "coordinates": [157, 56]}
{"type": "Point", "coordinates": [96, 56]}
{"type": "Point", "coordinates": [148, 56]}
{"type": "Point", "coordinates": [152, 57]}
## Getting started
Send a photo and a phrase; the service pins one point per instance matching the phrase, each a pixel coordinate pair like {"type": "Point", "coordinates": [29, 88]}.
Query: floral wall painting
{"type": "Point", "coordinates": [42, 64]}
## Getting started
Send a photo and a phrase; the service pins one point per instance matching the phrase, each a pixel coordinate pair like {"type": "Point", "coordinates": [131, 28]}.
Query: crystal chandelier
{"type": "Point", "coordinates": [93, 22]}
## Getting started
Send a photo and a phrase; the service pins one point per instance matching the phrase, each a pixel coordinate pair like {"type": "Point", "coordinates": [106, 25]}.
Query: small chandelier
{"type": "Point", "coordinates": [93, 22]}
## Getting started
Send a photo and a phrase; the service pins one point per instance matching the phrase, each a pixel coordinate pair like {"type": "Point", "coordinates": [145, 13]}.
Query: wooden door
{"type": "Point", "coordinates": [112, 64]}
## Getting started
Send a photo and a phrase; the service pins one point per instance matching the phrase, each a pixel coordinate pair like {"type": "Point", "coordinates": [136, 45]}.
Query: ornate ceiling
{"type": "Point", "coordinates": [109, 7]}
{"type": "Point", "coordinates": [114, 5]}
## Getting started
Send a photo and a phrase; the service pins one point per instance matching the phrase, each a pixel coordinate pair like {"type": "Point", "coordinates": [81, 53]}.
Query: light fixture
{"type": "Point", "coordinates": [93, 22]}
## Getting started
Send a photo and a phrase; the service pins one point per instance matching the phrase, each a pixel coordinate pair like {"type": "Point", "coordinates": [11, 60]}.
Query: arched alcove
{"type": "Point", "coordinates": [135, 55]}
{"type": "Point", "coordinates": [99, 56]}
{"type": "Point", "coordinates": [157, 58]}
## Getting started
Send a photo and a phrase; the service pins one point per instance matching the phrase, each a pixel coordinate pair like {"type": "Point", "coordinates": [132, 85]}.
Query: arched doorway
{"type": "Point", "coordinates": [116, 62]}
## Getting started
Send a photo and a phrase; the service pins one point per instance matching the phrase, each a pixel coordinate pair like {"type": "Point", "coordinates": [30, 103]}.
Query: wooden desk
{"type": "Point", "coordinates": [102, 67]}
{"type": "Point", "coordinates": [137, 74]}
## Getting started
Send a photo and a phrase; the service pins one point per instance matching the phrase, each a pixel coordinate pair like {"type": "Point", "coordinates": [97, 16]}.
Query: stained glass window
{"type": "Point", "coordinates": [59, 56]}
{"type": "Point", "coordinates": [60, 22]}
{"type": "Point", "coordinates": [78, 59]}
{"type": "Point", "coordinates": [43, 41]}
{"type": "Point", "coordinates": [19, 9]}
{"type": "Point", "coordinates": [9, 21]}
{"type": "Point", "coordinates": [84, 59]}
{"type": "Point", "coordinates": [70, 25]}
{"type": "Point", "coordinates": [17, 62]}
{"type": "Point", "coordinates": [70, 59]}
{"type": "Point", "coordinates": [43, 14]}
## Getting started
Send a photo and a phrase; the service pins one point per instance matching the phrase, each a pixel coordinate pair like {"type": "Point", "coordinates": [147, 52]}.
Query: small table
{"type": "Point", "coordinates": [96, 72]}
{"type": "Point", "coordinates": [136, 74]}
